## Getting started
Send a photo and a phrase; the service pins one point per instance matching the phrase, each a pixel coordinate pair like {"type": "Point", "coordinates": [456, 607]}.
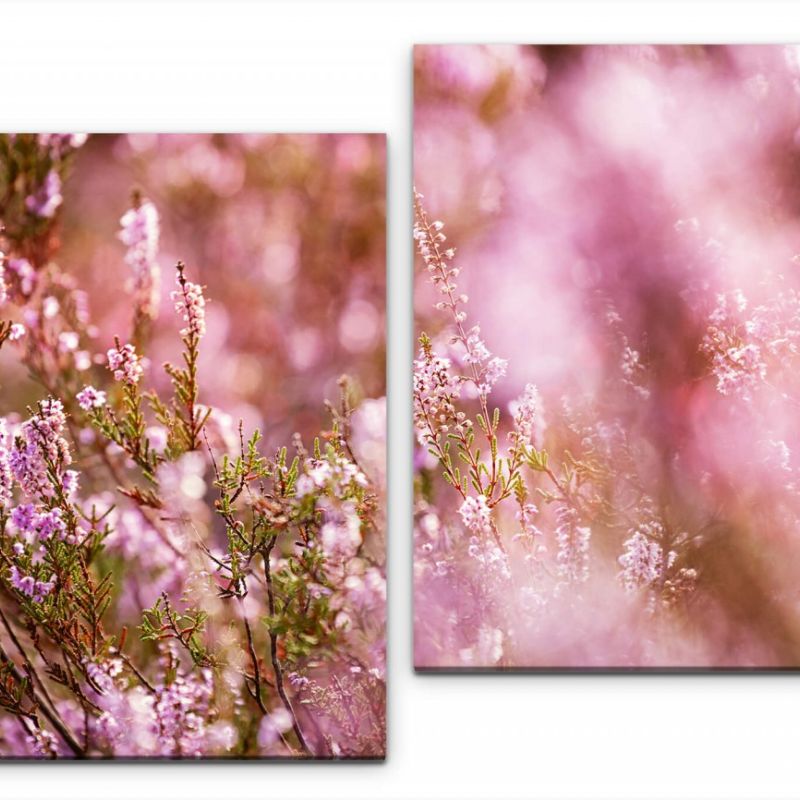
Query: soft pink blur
{"type": "Point", "coordinates": [601, 196]}
{"type": "Point", "coordinates": [286, 232]}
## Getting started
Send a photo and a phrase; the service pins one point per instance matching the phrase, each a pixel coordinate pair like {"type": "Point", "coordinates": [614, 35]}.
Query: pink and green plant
{"type": "Point", "coordinates": [169, 586]}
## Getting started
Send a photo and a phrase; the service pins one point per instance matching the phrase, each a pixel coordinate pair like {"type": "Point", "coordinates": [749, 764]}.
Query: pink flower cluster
{"type": "Point", "coordinates": [90, 398]}
{"type": "Point", "coordinates": [36, 590]}
{"type": "Point", "coordinates": [435, 391]}
{"type": "Point", "coordinates": [125, 363]}
{"type": "Point", "coordinates": [39, 450]}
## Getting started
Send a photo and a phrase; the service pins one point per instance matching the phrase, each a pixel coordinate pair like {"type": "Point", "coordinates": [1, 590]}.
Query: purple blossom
{"type": "Point", "coordinates": [39, 446]}
{"type": "Point", "coordinates": [36, 590]}
{"type": "Point", "coordinates": [89, 397]}
{"type": "Point", "coordinates": [24, 517]}
{"type": "Point", "coordinates": [50, 525]}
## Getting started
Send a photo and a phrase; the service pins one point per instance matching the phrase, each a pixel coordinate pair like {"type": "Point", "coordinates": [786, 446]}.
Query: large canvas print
{"type": "Point", "coordinates": [606, 385]}
{"type": "Point", "coordinates": [192, 461]}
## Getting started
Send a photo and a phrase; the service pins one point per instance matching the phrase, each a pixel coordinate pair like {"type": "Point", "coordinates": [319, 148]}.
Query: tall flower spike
{"type": "Point", "coordinates": [190, 304]}
{"type": "Point", "coordinates": [485, 369]}
{"type": "Point", "coordinates": [140, 233]}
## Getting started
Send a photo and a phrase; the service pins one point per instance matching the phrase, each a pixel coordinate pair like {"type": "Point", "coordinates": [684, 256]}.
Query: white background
{"type": "Point", "coordinates": [275, 66]}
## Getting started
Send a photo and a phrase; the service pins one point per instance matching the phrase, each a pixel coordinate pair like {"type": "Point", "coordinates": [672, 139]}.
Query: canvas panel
{"type": "Point", "coordinates": [192, 466]}
{"type": "Point", "coordinates": [606, 384]}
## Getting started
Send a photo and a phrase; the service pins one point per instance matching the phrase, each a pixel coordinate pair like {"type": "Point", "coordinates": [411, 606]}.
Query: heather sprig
{"type": "Point", "coordinates": [185, 419]}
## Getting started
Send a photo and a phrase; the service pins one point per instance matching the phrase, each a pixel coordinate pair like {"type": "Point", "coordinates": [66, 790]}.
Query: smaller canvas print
{"type": "Point", "coordinates": [606, 383]}
{"type": "Point", "coordinates": [192, 446]}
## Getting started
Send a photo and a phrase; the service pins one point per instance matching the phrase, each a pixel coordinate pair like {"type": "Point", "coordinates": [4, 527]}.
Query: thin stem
{"type": "Point", "coordinates": [256, 667]}
{"type": "Point", "coordinates": [51, 716]}
{"type": "Point", "coordinates": [273, 649]}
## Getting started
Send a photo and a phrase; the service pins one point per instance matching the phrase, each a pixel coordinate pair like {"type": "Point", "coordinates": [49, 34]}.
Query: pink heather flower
{"type": "Point", "coordinates": [36, 590]}
{"type": "Point", "coordinates": [46, 200]}
{"type": "Point", "coordinates": [477, 352]}
{"type": "Point", "coordinates": [435, 393]}
{"type": "Point", "coordinates": [89, 397]}
{"type": "Point", "coordinates": [38, 446]}
{"type": "Point", "coordinates": [22, 583]}
{"type": "Point", "coordinates": [495, 370]}
{"type": "Point", "coordinates": [643, 560]}
{"type": "Point", "coordinates": [488, 369]}
{"type": "Point", "coordinates": [69, 482]}
{"type": "Point", "coordinates": [42, 589]}
{"type": "Point", "coordinates": [140, 234]}
{"type": "Point", "coordinates": [125, 364]}
{"type": "Point", "coordinates": [475, 514]}
{"type": "Point", "coordinates": [50, 525]}
{"type": "Point", "coordinates": [181, 709]}
{"type": "Point", "coordinates": [191, 305]}
{"type": "Point", "coordinates": [24, 517]}
{"type": "Point", "coordinates": [338, 477]}
{"type": "Point", "coordinates": [16, 332]}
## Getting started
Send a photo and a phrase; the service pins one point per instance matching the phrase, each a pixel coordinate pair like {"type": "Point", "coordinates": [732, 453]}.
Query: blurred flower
{"type": "Point", "coordinates": [47, 199]}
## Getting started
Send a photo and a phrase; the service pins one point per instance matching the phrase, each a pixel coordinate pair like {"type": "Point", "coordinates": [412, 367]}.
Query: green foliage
{"type": "Point", "coordinates": [127, 429]}
{"type": "Point", "coordinates": [162, 622]}
{"type": "Point", "coordinates": [303, 618]}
